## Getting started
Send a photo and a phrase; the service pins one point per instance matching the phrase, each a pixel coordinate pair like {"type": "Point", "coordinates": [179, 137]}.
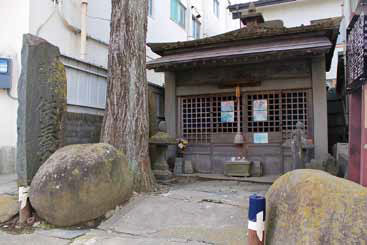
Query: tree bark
{"type": "Point", "coordinates": [126, 120]}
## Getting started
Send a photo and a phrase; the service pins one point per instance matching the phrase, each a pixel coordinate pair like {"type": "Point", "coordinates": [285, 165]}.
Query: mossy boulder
{"type": "Point", "coordinates": [314, 207]}
{"type": "Point", "coordinates": [79, 183]}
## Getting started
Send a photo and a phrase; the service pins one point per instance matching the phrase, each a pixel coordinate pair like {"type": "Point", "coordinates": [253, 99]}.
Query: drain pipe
{"type": "Point", "coordinates": [83, 27]}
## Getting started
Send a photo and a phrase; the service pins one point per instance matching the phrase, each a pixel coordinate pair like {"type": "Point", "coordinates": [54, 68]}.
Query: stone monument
{"type": "Point", "coordinates": [42, 106]}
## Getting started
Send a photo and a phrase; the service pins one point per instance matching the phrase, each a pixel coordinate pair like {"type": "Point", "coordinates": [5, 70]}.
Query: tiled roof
{"type": "Point", "coordinates": [263, 31]}
{"type": "Point", "coordinates": [259, 3]}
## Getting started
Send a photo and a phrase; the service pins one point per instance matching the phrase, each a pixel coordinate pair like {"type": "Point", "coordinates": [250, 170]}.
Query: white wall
{"type": "Point", "coordinates": [40, 17]}
{"type": "Point", "coordinates": [44, 19]}
{"type": "Point", "coordinates": [55, 25]}
{"type": "Point", "coordinates": [162, 29]}
{"type": "Point", "coordinates": [12, 30]}
{"type": "Point", "coordinates": [302, 12]}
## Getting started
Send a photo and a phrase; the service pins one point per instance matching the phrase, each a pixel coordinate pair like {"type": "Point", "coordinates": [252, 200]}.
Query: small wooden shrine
{"type": "Point", "coordinates": [256, 82]}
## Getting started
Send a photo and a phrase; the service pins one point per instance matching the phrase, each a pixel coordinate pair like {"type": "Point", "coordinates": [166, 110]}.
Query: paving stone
{"type": "Point", "coordinates": [63, 234]}
{"type": "Point", "coordinates": [30, 239]}
{"type": "Point", "coordinates": [200, 213]}
{"type": "Point", "coordinates": [105, 238]}
{"type": "Point", "coordinates": [8, 184]}
{"type": "Point", "coordinates": [186, 213]}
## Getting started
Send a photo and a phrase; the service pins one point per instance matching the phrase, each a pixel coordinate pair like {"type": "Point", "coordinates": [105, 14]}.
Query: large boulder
{"type": "Point", "coordinates": [314, 207]}
{"type": "Point", "coordinates": [79, 183]}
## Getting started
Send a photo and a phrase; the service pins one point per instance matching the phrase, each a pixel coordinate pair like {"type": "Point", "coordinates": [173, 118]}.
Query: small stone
{"type": "Point", "coordinates": [9, 207]}
{"type": "Point", "coordinates": [37, 224]}
{"type": "Point", "coordinates": [91, 224]}
{"type": "Point", "coordinates": [110, 213]}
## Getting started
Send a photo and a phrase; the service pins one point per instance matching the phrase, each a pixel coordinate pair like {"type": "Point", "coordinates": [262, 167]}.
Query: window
{"type": "Point", "coordinates": [150, 8]}
{"type": "Point", "coordinates": [178, 13]}
{"type": "Point", "coordinates": [294, 109]}
{"type": "Point", "coordinates": [263, 112]}
{"type": "Point", "coordinates": [3, 66]}
{"type": "Point", "coordinates": [204, 115]}
{"type": "Point", "coordinates": [273, 112]}
{"type": "Point", "coordinates": [196, 26]}
{"type": "Point", "coordinates": [86, 84]}
{"type": "Point", "coordinates": [216, 7]}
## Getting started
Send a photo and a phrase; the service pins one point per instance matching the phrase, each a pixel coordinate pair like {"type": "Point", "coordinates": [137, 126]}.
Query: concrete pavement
{"type": "Point", "coordinates": [208, 212]}
{"type": "Point", "coordinates": [211, 212]}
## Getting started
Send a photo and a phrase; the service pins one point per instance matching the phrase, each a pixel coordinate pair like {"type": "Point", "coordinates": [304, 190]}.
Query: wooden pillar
{"type": "Point", "coordinates": [170, 103]}
{"type": "Point", "coordinates": [320, 107]}
{"type": "Point", "coordinates": [364, 138]}
{"type": "Point", "coordinates": [170, 112]}
{"type": "Point", "coordinates": [355, 136]}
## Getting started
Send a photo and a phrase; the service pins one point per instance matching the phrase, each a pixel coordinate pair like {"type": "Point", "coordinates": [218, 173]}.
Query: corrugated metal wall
{"type": "Point", "coordinates": [87, 84]}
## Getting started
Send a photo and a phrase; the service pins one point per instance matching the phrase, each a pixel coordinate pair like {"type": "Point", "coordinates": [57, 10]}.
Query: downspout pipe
{"type": "Point", "coordinates": [83, 27]}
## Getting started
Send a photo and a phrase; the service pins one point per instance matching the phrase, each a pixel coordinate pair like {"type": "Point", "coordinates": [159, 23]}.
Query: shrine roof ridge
{"type": "Point", "coordinates": [264, 31]}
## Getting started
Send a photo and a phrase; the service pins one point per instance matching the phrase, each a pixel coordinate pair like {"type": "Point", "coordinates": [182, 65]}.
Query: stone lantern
{"type": "Point", "coordinates": [161, 141]}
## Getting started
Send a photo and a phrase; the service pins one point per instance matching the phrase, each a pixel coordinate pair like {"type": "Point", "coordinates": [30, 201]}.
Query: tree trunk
{"type": "Point", "coordinates": [126, 120]}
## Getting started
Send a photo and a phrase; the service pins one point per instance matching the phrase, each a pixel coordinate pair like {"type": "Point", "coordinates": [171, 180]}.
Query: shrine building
{"type": "Point", "coordinates": [257, 81]}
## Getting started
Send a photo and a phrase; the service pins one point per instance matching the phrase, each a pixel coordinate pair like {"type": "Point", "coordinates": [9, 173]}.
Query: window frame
{"type": "Point", "coordinates": [216, 8]}
{"type": "Point", "coordinates": [179, 15]}
{"type": "Point", "coordinates": [199, 116]}
{"type": "Point", "coordinates": [150, 8]}
{"type": "Point", "coordinates": [5, 63]}
{"type": "Point", "coordinates": [196, 28]}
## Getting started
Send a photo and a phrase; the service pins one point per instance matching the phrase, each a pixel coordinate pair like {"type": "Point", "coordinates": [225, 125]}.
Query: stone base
{"type": "Point", "coordinates": [188, 168]}
{"type": "Point", "coordinates": [238, 168]}
{"type": "Point", "coordinates": [162, 174]}
{"type": "Point", "coordinates": [257, 169]}
{"type": "Point", "coordinates": [178, 166]}
{"type": "Point", "coordinates": [7, 160]}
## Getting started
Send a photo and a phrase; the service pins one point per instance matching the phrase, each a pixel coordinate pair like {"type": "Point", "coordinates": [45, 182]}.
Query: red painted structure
{"type": "Point", "coordinates": [357, 89]}
{"type": "Point", "coordinates": [364, 137]}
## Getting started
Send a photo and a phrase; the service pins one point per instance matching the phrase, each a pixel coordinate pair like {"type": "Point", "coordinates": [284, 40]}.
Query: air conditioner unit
{"type": "Point", "coordinates": [5, 73]}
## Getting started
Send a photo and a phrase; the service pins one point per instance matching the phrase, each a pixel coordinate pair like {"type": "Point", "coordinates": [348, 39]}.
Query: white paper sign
{"type": "Point", "coordinates": [261, 138]}
{"type": "Point", "coordinates": [260, 110]}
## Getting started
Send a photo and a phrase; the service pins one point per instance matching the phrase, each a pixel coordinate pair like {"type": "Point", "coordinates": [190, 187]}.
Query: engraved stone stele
{"type": "Point", "coordinates": [42, 106]}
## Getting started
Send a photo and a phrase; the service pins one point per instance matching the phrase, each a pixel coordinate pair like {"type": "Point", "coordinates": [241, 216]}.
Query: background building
{"type": "Point", "coordinates": [352, 85]}
{"type": "Point", "coordinates": [298, 12]}
{"type": "Point", "coordinates": [60, 22]}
